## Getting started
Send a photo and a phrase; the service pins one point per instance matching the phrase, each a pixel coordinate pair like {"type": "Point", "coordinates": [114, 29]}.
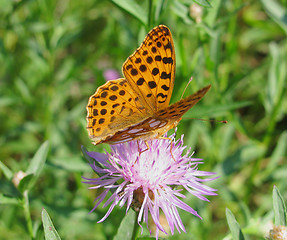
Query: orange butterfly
{"type": "Point", "coordinates": [137, 106]}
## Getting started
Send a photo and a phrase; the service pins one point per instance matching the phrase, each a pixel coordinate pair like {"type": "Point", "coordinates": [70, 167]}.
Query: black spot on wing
{"type": "Point", "coordinates": [165, 75]}
{"type": "Point", "coordinates": [152, 84]}
{"type": "Point", "coordinates": [167, 60]}
{"type": "Point", "coordinates": [138, 60]}
{"type": "Point", "coordinates": [134, 72]}
{"type": "Point", "coordinates": [164, 87]}
{"type": "Point", "coordinates": [113, 97]}
{"type": "Point", "coordinates": [168, 46]}
{"type": "Point", "coordinates": [103, 103]}
{"type": "Point", "coordinates": [122, 92]}
{"type": "Point", "coordinates": [140, 81]}
{"type": "Point", "coordinates": [129, 66]}
{"type": "Point", "coordinates": [143, 68]}
{"type": "Point", "coordinates": [164, 96]}
{"type": "Point", "coordinates": [114, 88]}
{"type": "Point", "coordinates": [103, 111]}
{"type": "Point", "coordinates": [95, 112]}
{"type": "Point", "coordinates": [149, 59]}
{"type": "Point", "coordinates": [157, 58]}
{"type": "Point", "coordinates": [155, 71]}
{"type": "Point", "coordinates": [104, 94]}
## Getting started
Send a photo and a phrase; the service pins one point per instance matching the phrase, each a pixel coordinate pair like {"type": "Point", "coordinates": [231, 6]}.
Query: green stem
{"type": "Point", "coordinates": [136, 226]}
{"type": "Point", "coordinates": [27, 214]}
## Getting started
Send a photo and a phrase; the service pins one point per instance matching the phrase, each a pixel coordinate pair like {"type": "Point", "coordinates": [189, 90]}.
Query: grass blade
{"type": "Point", "coordinates": [279, 208]}
{"type": "Point", "coordinates": [234, 226]}
{"type": "Point", "coordinates": [49, 229]}
{"type": "Point", "coordinates": [132, 8]}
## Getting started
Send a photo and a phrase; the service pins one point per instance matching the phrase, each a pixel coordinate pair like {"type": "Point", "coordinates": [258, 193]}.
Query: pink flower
{"type": "Point", "coordinates": [111, 74]}
{"type": "Point", "coordinates": [147, 181]}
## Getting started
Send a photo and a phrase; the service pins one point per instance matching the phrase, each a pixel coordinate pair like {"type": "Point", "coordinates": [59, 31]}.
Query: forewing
{"type": "Point", "coordinates": [150, 69]}
{"type": "Point", "coordinates": [176, 110]}
{"type": "Point", "coordinates": [114, 106]}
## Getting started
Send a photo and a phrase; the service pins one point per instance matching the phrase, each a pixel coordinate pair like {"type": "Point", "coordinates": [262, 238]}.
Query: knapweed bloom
{"type": "Point", "coordinates": [111, 74]}
{"type": "Point", "coordinates": [149, 180]}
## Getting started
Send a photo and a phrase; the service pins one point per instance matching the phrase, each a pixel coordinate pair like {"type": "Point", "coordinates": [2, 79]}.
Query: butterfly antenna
{"type": "Point", "coordinates": [186, 87]}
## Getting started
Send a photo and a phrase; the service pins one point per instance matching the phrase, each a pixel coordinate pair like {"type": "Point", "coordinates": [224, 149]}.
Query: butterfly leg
{"type": "Point", "coordinates": [146, 143]}
{"type": "Point", "coordinates": [147, 147]}
{"type": "Point", "coordinates": [167, 138]}
{"type": "Point", "coordinates": [140, 152]}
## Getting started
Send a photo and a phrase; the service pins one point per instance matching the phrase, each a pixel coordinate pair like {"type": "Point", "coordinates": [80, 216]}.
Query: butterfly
{"type": "Point", "coordinates": [137, 106]}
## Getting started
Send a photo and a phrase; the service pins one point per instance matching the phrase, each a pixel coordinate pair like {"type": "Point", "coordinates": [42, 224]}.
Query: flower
{"type": "Point", "coordinates": [278, 233]}
{"type": "Point", "coordinates": [196, 12]}
{"type": "Point", "coordinates": [111, 74]}
{"type": "Point", "coordinates": [18, 176]}
{"type": "Point", "coordinates": [146, 179]}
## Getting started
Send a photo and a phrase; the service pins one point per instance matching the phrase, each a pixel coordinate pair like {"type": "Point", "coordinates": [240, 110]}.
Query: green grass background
{"type": "Point", "coordinates": [53, 54]}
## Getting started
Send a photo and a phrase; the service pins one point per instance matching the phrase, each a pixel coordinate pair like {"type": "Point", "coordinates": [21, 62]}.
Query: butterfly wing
{"type": "Point", "coordinates": [147, 129]}
{"type": "Point", "coordinates": [114, 107]}
{"type": "Point", "coordinates": [157, 125]}
{"type": "Point", "coordinates": [175, 111]}
{"type": "Point", "coordinates": [150, 69]}
{"type": "Point", "coordinates": [137, 107]}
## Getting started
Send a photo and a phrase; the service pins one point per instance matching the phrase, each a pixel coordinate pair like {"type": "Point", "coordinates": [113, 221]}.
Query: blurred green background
{"type": "Point", "coordinates": [53, 56]}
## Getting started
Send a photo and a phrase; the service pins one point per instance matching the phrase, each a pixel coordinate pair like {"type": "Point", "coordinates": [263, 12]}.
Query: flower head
{"type": "Point", "coordinates": [147, 179]}
{"type": "Point", "coordinates": [278, 233]}
{"type": "Point", "coordinates": [111, 74]}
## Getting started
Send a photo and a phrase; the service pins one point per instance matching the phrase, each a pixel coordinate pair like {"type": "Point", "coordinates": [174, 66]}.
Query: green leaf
{"type": "Point", "coordinates": [37, 162]}
{"type": "Point", "coordinates": [233, 226]}
{"type": "Point", "coordinates": [228, 17]}
{"type": "Point", "coordinates": [7, 172]}
{"type": "Point", "coordinates": [132, 8]}
{"type": "Point", "coordinates": [181, 11]}
{"type": "Point", "coordinates": [242, 156]}
{"type": "Point", "coordinates": [211, 17]}
{"type": "Point", "coordinates": [279, 152]}
{"type": "Point", "coordinates": [279, 208]}
{"type": "Point", "coordinates": [25, 182]}
{"type": "Point", "coordinates": [272, 87]}
{"type": "Point", "coordinates": [8, 200]}
{"type": "Point", "coordinates": [125, 230]}
{"type": "Point", "coordinates": [159, 8]}
{"type": "Point", "coordinates": [203, 3]}
{"type": "Point", "coordinates": [70, 163]}
{"type": "Point", "coordinates": [276, 12]}
{"type": "Point", "coordinates": [49, 229]}
{"type": "Point", "coordinates": [216, 110]}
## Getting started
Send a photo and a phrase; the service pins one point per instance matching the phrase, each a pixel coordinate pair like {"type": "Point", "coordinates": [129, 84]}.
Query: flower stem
{"type": "Point", "coordinates": [136, 226]}
{"type": "Point", "coordinates": [27, 214]}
